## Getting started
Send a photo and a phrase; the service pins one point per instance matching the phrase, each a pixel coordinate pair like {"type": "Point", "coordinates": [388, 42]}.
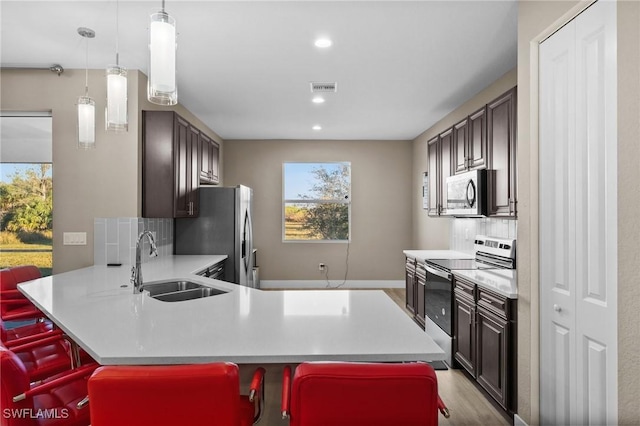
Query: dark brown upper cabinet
{"type": "Point", "coordinates": [170, 165]}
{"type": "Point", "coordinates": [439, 169]}
{"type": "Point", "coordinates": [446, 170]}
{"type": "Point", "coordinates": [460, 141]}
{"type": "Point", "coordinates": [209, 157]}
{"type": "Point", "coordinates": [469, 151]}
{"type": "Point", "coordinates": [432, 174]}
{"type": "Point", "coordinates": [501, 162]}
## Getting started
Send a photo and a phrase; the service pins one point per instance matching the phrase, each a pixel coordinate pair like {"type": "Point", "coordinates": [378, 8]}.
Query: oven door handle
{"type": "Point", "coordinates": [441, 274]}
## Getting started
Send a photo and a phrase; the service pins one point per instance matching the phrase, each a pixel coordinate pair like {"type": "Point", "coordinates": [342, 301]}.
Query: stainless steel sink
{"type": "Point", "coordinates": [177, 291]}
{"type": "Point", "coordinates": [162, 287]}
{"type": "Point", "coordinates": [197, 293]}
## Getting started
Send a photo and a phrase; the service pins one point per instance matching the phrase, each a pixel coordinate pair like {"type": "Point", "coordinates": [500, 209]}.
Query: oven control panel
{"type": "Point", "coordinates": [495, 246]}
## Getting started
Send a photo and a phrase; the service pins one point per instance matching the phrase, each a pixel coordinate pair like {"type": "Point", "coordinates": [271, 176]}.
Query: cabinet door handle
{"type": "Point", "coordinates": [190, 208]}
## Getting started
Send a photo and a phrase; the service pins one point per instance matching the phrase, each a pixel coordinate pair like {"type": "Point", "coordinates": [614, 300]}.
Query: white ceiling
{"type": "Point", "coordinates": [244, 67]}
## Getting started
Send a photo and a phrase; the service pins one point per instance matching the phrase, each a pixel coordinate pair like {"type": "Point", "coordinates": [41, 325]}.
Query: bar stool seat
{"type": "Point", "coordinates": [371, 394]}
{"type": "Point", "coordinates": [57, 396]}
{"type": "Point", "coordinates": [201, 394]}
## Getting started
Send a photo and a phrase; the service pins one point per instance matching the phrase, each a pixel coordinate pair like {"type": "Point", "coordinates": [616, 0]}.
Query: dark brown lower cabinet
{"type": "Point", "coordinates": [484, 341]}
{"type": "Point", "coordinates": [415, 282]}
{"type": "Point", "coordinates": [410, 284]}
{"type": "Point", "coordinates": [421, 282]}
{"type": "Point", "coordinates": [464, 341]}
{"type": "Point", "coordinates": [492, 363]}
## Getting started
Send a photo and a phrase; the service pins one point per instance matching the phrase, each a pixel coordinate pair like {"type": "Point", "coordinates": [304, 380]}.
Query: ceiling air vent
{"type": "Point", "coordinates": [323, 87]}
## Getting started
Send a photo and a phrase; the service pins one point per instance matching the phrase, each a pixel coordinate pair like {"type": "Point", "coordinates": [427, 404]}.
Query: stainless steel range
{"type": "Point", "coordinates": [490, 253]}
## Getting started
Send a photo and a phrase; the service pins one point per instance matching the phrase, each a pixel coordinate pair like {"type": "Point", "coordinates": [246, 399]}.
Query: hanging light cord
{"type": "Point", "coordinates": [86, 70]}
{"type": "Point", "coordinates": [117, 34]}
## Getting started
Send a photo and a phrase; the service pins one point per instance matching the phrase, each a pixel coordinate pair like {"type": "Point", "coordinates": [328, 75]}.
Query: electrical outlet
{"type": "Point", "coordinates": [321, 266]}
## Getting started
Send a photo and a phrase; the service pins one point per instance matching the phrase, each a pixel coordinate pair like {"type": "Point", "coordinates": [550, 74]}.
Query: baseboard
{"type": "Point", "coordinates": [321, 284]}
{"type": "Point", "coordinates": [517, 421]}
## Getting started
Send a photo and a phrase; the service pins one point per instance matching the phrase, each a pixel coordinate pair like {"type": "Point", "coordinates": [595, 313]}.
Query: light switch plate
{"type": "Point", "coordinates": [75, 238]}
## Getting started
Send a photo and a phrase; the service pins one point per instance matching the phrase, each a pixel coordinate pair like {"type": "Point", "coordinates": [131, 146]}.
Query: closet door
{"type": "Point", "coordinates": [557, 208]}
{"type": "Point", "coordinates": [578, 224]}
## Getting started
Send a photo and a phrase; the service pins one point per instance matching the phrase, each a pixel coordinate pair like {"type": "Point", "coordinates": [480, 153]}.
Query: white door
{"type": "Point", "coordinates": [578, 208]}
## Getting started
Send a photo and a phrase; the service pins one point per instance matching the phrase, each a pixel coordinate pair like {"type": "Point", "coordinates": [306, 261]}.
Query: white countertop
{"type": "Point", "coordinates": [243, 326]}
{"type": "Point", "coordinates": [501, 281]}
{"type": "Point", "coordinates": [422, 255]}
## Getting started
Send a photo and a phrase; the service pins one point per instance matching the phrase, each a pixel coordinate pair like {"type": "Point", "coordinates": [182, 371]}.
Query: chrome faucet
{"type": "Point", "coordinates": [136, 271]}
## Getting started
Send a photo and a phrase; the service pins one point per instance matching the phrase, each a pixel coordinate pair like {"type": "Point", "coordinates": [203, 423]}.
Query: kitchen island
{"type": "Point", "coordinates": [96, 307]}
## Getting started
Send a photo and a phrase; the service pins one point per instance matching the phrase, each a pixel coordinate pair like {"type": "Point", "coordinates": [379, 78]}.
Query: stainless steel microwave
{"type": "Point", "coordinates": [467, 194]}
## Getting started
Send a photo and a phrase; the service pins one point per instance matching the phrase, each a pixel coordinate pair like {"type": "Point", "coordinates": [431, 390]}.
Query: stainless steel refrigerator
{"type": "Point", "coordinates": [222, 227]}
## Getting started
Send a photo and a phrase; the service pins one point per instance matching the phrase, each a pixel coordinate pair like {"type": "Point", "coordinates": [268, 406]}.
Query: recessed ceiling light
{"type": "Point", "coordinates": [323, 42]}
{"type": "Point", "coordinates": [318, 100]}
{"type": "Point", "coordinates": [317, 127]}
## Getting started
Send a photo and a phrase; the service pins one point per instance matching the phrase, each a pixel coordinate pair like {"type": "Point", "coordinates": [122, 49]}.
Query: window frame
{"type": "Point", "coordinates": [286, 201]}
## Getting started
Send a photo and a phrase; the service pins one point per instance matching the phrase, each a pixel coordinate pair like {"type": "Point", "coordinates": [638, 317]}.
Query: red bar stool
{"type": "Point", "coordinates": [51, 402]}
{"type": "Point", "coordinates": [13, 305]}
{"type": "Point", "coordinates": [201, 394]}
{"type": "Point", "coordinates": [40, 349]}
{"type": "Point", "coordinates": [330, 393]}
{"type": "Point", "coordinates": [42, 357]}
{"type": "Point", "coordinates": [25, 333]}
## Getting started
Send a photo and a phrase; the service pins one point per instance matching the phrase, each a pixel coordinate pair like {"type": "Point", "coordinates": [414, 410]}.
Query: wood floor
{"type": "Point", "coordinates": [467, 405]}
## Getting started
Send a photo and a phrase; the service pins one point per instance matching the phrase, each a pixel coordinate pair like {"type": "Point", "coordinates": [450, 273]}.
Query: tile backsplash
{"type": "Point", "coordinates": [464, 230]}
{"type": "Point", "coordinates": [114, 239]}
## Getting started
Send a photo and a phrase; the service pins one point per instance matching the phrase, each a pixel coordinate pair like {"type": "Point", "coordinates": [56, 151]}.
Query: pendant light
{"type": "Point", "coordinates": [116, 109]}
{"type": "Point", "coordinates": [162, 88]}
{"type": "Point", "coordinates": [86, 105]}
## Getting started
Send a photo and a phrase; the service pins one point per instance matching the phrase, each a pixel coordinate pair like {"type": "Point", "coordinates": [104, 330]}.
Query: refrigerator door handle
{"type": "Point", "coordinates": [245, 237]}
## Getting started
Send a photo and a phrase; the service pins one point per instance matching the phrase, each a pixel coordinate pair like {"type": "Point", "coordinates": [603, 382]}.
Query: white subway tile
{"type": "Point", "coordinates": [124, 240]}
{"type": "Point", "coordinates": [112, 253]}
{"type": "Point", "coordinates": [112, 230]}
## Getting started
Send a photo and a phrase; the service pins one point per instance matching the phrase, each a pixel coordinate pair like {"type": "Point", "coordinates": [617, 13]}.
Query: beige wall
{"type": "Point", "coordinates": [431, 233]}
{"type": "Point", "coordinates": [536, 18]}
{"type": "Point", "coordinates": [628, 208]}
{"type": "Point", "coordinates": [101, 182]}
{"type": "Point", "coordinates": [381, 214]}
{"type": "Point", "coordinates": [86, 183]}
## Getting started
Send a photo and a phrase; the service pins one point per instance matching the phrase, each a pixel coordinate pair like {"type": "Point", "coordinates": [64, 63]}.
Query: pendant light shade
{"type": "Point", "coordinates": [162, 89]}
{"type": "Point", "coordinates": [86, 105]}
{"type": "Point", "coordinates": [116, 118]}
{"type": "Point", "coordinates": [86, 122]}
{"type": "Point", "coordinates": [116, 111]}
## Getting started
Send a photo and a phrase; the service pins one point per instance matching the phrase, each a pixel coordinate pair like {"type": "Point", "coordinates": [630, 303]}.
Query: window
{"type": "Point", "coordinates": [317, 202]}
{"type": "Point", "coordinates": [26, 190]}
